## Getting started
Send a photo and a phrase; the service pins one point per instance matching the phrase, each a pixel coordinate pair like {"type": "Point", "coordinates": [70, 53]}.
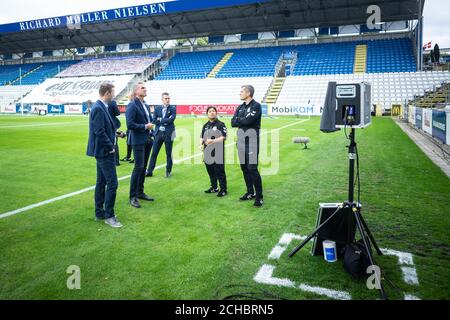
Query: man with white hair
{"type": "Point", "coordinates": [139, 122]}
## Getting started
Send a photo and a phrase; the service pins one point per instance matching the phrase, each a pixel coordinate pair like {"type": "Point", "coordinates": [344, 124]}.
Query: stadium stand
{"type": "Point", "coordinates": [205, 91]}
{"type": "Point", "coordinates": [390, 55]}
{"type": "Point", "coordinates": [32, 73]}
{"type": "Point", "coordinates": [195, 65]}
{"type": "Point", "coordinates": [106, 66]}
{"type": "Point", "coordinates": [327, 58]}
{"type": "Point", "coordinates": [439, 95]}
{"type": "Point", "coordinates": [10, 94]}
{"type": "Point", "coordinates": [257, 62]}
{"type": "Point", "coordinates": [218, 74]}
{"type": "Point", "coordinates": [44, 71]}
{"type": "Point", "coordinates": [387, 88]}
{"type": "Point", "coordinates": [11, 73]}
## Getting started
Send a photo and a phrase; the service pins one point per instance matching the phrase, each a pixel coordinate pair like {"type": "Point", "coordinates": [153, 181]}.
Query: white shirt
{"type": "Point", "coordinates": [164, 110]}
{"type": "Point", "coordinates": [145, 110]}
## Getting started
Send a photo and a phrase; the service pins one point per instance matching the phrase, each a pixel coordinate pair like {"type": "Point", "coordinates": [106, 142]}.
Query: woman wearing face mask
{"type": "Point", "coordinates": [214, 133]}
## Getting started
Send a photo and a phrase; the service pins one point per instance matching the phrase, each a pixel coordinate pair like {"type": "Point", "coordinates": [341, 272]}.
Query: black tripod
{"type": "Point", "coordinates": [355, 208]}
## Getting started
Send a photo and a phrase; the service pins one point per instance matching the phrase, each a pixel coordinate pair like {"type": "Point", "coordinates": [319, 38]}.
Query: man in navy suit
{"type": "Point", "coordinates": [102, 138]}
{"type": "Point", "coordinates": [139, 122]}
{"type": "Point", "coordinates": [164, 117]}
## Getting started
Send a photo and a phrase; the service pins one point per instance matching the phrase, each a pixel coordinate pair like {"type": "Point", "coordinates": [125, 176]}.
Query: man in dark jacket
{"type": "Point", "coordinates": [139, 122]}
{"type": "Point", "coordinates": [247, 119]}
{"type": "Point", "coordinates": [164, 117]}
{"type": "Point", "coordinates": [102, 138]}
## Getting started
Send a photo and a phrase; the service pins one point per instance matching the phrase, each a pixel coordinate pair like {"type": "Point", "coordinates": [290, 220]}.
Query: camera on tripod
{"type": "Point", "coordinates": [346, 105]}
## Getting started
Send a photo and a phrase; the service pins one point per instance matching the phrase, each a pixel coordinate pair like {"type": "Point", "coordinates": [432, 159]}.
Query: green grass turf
{"type": "Point", "coordinates": [188, 245]}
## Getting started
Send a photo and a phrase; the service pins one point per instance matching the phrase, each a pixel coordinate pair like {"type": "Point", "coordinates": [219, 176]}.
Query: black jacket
{"type": "Point", "coordinates": [247, 116]}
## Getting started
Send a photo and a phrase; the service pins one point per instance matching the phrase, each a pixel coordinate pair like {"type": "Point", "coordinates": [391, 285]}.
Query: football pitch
{"type": "Point", "coordinates": [190, 245]}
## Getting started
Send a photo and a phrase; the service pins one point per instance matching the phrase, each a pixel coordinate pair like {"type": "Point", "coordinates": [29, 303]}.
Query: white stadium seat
{"type": "Point", "coordinates": [213, 91]}
{"type": "Point", "coordinates": [387, 88]}
{"type": "Point", "coordinates": [11, 94]}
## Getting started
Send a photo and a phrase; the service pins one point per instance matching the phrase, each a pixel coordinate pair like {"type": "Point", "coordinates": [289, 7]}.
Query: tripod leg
{"type": "Point", "coordinates": [301, 245]}
{"type": "Point", "coordinates": [372, 239]}
{"type": "Point", "coordinates": [369, 253]}
{"type": "Point", "coordinates": [304, 242]}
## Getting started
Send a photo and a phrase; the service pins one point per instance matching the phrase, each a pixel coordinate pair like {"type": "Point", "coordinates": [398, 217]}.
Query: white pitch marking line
{"type": "Point", "coordinates": [338, 295]}
{"type": "Point", "coordinates": [410, 297]}
{"type": "Point", "coordinates": [276, 252]}
{"type": "Point", "coordinates": [405, 260]}
{"type": "Point", "coordinates": [42, 203]}
{"type": "Point", "coordinates": [410, 275]}
{"type": "Point", "coordinates": [265, 276]}
{"type": "Point", "coordinates": [285, 240]}
{"type": "Point", "coordinates": [403, 257]}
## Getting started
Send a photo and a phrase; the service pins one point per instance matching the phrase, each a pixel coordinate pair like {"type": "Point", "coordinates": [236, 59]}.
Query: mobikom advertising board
{"type": "Point", "coordinates": [307, 110]}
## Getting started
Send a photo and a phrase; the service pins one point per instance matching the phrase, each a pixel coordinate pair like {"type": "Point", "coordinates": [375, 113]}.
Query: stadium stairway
{"type": "Point", "coordinates": [360, 65]}
{"type": "Point", "coordinates": [274, 90]}
{"type": "Point", "coordinates": [17, 80]}
{"type": "Point", "coordinates": [220, 65]}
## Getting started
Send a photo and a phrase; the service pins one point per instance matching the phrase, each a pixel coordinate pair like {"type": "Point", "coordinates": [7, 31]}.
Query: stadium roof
{"type": "Point", "coordinates": [178, 19]}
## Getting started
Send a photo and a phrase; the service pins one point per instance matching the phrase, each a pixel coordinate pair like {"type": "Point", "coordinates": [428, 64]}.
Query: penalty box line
{"type": "Point", "coordinates": [72, 194]}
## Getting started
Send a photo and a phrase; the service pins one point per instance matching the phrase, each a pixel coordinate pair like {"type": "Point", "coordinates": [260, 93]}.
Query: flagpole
{"type": "Point", "coordinates": [21, 93]}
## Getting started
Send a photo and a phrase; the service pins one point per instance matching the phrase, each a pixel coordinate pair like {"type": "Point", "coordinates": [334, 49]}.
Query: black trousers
{"type": "Point", "coordinates": [105, 187]}
{"type": "Point", "coordinates": [141, 154]}
{"type": "Point", "coordinates": [162, 137]}
{"type": "Point", "coordinates": [216, 173]}
{"type": "Point", "coordinates": [129, 149]}
{"type": "Point", "coordinates": [249, 168]}
{"type": "Point", "coordinates": [116, 147]}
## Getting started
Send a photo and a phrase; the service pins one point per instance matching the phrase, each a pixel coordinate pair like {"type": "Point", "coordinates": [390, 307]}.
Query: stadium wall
{"type": "Point", "coordinates": [432, 121]}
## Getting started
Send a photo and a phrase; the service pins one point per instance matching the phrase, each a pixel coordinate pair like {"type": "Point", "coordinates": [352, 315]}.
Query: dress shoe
{"type": "Point", "coordinates": [145, 197]}
{"type": "Point", "coordinates": [222, 193]}
{"type": "Point", "coordinates": [168, 174]}
{"type": "Point", "coordinates": [258, 202]}
{"type": "Point", "coordinates": [247, 196]}
{"type": "Point", "coordinates": [149, 174]}
{"type": "Point", "coordinates": [212, 190]}
{"type": "Point", "coordinates": [134, 202]}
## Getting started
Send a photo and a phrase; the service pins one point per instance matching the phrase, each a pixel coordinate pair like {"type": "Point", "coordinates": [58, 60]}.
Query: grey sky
{"type": "Point", "coordinates": [437, 23]}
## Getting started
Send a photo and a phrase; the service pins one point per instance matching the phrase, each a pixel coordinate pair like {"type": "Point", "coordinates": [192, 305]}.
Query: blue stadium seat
{"type": "Point", "coordinates": [45, 70]}
{"type": "Point", "coordinates": [391, 55]}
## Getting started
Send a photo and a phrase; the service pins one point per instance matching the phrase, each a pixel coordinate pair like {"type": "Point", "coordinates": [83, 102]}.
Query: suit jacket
{"type": "Point", "coordinates": [167, 121]}
{"type": "Point", "coordinates": [136, 121]}
{"type": "Point", "coordinates": [102, 133]}
{"type": "Point", "coordinates": [114, 113]}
